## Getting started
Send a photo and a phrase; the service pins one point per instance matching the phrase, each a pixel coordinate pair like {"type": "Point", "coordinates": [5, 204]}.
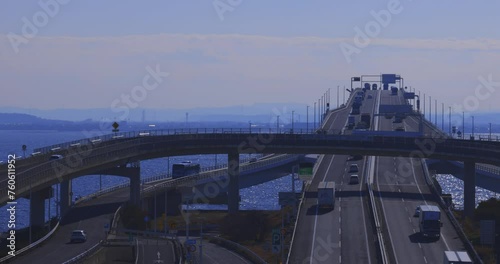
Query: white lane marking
{"type": "Point", "coordinates": [316, 216]}
{"type": "Point", "coordinates": [425, 201]}
{"type": "Point", "coordinates": [425, 259]}
{"type": "Point", "coordinates": [211, 259]}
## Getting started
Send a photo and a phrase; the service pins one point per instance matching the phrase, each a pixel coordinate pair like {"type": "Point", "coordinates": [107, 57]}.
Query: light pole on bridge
{"type": "Point", "coordinates": [307, 118]}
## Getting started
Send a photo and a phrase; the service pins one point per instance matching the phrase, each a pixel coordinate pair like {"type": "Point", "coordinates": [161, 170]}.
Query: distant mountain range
{"type": "Point", "coordinates": [264, 112]}
{"type": "Point", "coordinates": [259, 115]}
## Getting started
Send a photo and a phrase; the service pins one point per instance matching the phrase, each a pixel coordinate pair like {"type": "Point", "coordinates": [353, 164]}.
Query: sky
{"type": "Point", "coordinates": [182, 54]}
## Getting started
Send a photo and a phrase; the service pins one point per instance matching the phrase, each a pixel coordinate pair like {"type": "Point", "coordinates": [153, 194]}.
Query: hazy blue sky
{"type": "Point", "coordinates": [92, 53]}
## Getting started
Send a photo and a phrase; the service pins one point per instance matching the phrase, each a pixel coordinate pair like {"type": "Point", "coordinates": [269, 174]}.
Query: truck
{"type": "Point", "coordinates": [456, 257]}
{"type": "Point", "coordinates": [351, 122]}
{"type": "Point", "coordinates": [430, 221]}
{"type": "Point", "coordinates": [326, 194]}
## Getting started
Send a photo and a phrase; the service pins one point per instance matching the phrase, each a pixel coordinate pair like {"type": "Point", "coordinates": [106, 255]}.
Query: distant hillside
{"type": "Point", "coordinates": [14, 118]}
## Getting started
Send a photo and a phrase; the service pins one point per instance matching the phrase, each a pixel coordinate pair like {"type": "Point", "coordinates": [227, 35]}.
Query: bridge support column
{"type": "Point", "coordinates": [37, 206]}
{"type": "Point", "coordinates": [135, 189]}
{"type": "Point", "coordinates": [65, 199]}
{"type": "Point", "coordinates": [233, 193]}
{"type": "Point", "coordinates": [469, 188]}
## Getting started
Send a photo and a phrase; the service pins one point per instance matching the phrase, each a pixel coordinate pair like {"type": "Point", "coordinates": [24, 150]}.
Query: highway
{"type": "Point", "coordinates": [344, 233]}
{"type": "Point", "coordinates": [401, 187]}
{"type": "Point", "coordinates": [89, 216]}
{"type": "Point", "coordinates": [155, 251]}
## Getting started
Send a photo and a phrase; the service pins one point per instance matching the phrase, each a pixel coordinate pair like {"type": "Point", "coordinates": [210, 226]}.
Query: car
{"type": "Point", "coordinates": [78, 236]}
{"type": "Point", "coordinates": [399, 129]}
{"type": "Point", "coordinates": [354, 179]}
{"type": "Point", "coordinates": [353, 168]}
{"type": "Point", "coordinates": [56, 157]}
{"type": "Point", "coordinates": [369, 96]}
{"type": "Point", "coordinates": [355, 157]}
{"type": "Point", "coordinates": [417, 212]}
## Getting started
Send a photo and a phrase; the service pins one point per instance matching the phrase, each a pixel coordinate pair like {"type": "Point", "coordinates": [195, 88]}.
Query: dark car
{"type": "Point", "coordinates": [78, 236]}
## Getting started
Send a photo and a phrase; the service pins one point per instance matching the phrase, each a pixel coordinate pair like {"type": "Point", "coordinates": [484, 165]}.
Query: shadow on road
{"type": "Point", "coordinates": [316, 210]}
{"type": "Point", "coordinates": [81, 213]}
{"type": "Point", "coordinates": [419, 238]}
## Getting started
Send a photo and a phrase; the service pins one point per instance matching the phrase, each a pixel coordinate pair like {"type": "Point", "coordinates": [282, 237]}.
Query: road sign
{"type": "Point", "coordinates": [146, 219]}
{"type": "Point", "coordinates": [191, 242]}
{"type": "Point", "coordinates": [276, 241]}
{"type": "Point", "coordinates": [106, 227]}
{"type": "Point", "coordinates": [276, 249]}
{"type": "Point", "coordinates": [192, 248]}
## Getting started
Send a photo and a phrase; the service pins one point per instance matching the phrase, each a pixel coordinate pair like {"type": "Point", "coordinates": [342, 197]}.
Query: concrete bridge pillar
{"type": "Point", "coordinates": [37, 206]}
{"type": "Point", "coordinates": [233, 193]}
{"type": "Point", "coordinates": [65, 199]}
{"type": "Point", "coordinates": [133, 172]}
{"type": "Point", "coordinates": [469, 188]}
{"type": "Point", "coordinates": [135, 188]}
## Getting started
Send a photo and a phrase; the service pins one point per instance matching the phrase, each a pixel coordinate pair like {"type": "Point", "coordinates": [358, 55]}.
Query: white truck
{"type": "Point", "coordinates": [456, 257]}
{"type": "Point", "coordinates": [326, 194]}
{"type": "Point", "coordinates": [430, 221]}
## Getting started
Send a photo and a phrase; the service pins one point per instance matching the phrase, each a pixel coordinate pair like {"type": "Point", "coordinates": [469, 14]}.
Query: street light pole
{"type": "Point", "coordinates": [314, 124]}
{"type": "Point", "coordinates": [489, 138]}
{"type": "Point", "coordinates": [449, 119]}
{"type": "Point", "coordinates": [344, 94]}
{"type": "Point", "coordinates": [292, 119]}
{"type": "Point", "coordinates": [463, 125]}
{"type": "Point", "coordinates": [338, 87]}
{"type": "Point", "coordinates": [278, 125]}
{"type": "Point", "coordinates": [307, 118]}
{"type": "Point", "coordinates": [472, 126]}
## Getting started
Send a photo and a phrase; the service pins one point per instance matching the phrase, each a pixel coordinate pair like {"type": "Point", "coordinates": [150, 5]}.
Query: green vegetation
{"type": "Point", "coordinates": [487, 210]}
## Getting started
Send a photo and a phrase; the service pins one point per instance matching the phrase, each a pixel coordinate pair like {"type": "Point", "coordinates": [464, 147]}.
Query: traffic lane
{"type": "Point", "coordinates": [156, 251]}
{"type": "Point", "coordinates": [89, 216]}
{"type": "Point", "coordinates": [395, 214]}
{"type": "Point", "coordinates": [325, 239]}
{"type": "Point", "coordinates": [357, 229]}
{"type": "Point", "coordinates": [305, 229]}
{"type": "Point", "coordinates": [316, 239]}
{"type": "Point", "coordinates": [215, 254]}
{"type": "Point", "coordinates": [449, 239]}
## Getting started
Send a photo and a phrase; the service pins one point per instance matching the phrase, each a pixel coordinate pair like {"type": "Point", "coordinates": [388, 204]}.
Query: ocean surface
{"type": "Point", "coordinates": [259, 197]}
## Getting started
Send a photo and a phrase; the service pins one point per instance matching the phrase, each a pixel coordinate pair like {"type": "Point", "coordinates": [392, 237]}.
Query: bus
{"type": "Point", "coordinates": [185, 168]}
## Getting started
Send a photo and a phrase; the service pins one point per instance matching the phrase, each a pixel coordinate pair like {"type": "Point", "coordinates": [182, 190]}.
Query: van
{"type": "Point", "coordinates": [353, 168]}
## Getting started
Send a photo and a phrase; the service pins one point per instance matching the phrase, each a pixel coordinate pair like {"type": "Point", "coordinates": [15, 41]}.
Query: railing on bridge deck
{"type": "Point", "coordinates": [208, 172]}
{"type": "Point", "coordinates": [162, 132]}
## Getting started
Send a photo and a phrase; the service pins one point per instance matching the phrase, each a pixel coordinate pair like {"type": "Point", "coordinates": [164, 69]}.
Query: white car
{"type": "Point", "coordinates": [353, 168]}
